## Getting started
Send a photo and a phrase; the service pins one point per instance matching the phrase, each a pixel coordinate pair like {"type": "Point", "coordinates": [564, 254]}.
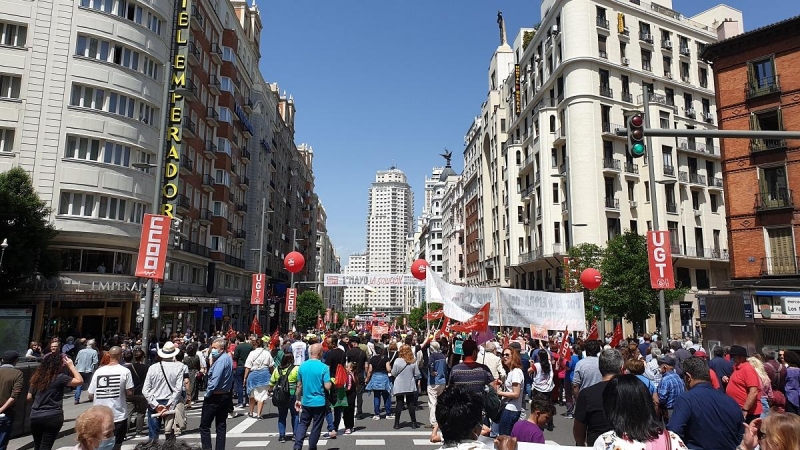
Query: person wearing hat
{"type": "Point", "coordinates": [163, 390]}
{"type": "Point", "coordinates": [669, 388]}
{"type": "Point", "coordinates": [744, 385]}
{"type": "Point", "coordinates": [10, 388]}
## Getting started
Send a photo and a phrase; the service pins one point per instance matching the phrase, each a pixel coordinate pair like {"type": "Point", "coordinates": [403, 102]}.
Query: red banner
{"type": "Point", "coordinates": [564, 350]}
{"type": "Point", "coordinates": [617, 338]}
{"type": "Point", "coordinates": [275, 339]}
{"type": "Point", "coordinates": [378, 331]}
{"type": "Point", "coordinates": [434, 315]}
{"type": "Point", "coordinates": [320, 324]}
{"type": "Point", "coordinates": [255, 327]}
{"type": "Point", "coordinates": [291, 300]}
{"type": "Point", "coordinates": [336, 317]}
{"type": "Point", "coordinates": [444, 331]}
{"type": "Point", "coordinates": [231, 333]}
{"type": "Point", "coordinates": [153, 244]}
{"type": "Point", "coordinates": [478, 322]}
{"type": "Point", "coordinates": [257, 296]}
{"type": "Point", "coordinates": [327, 315]}
{"type": "Point", "coordinates": [659, 255]}
{"type": "Point", "coordinates": [593, 334]}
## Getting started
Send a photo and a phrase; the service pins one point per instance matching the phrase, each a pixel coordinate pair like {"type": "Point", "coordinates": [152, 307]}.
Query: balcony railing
{"type": "Point", "coordinates": [210, 149]}
{"type": "Point", "coordinates": [206, 215]}
{"type": "Point", "coordinates": [184, 202]}
{"type": "Point", "coordinates": [530, 256]}
{"type": "Point", "coordinates": [186, 164]}
{"type": "Point", "coordinates": [762, 145]}
{"type": "Point", "coordinates": [696, 178]}
{"type": "Point", "coordinates": [669, 170]}
{"type": "Point", "coordinates": [606, 91]}
{"type": "Point", "coordinates": [208, 180]}
{"type": "Point", "coordinates": [762, 86]}
{"type": "Point", "coordinates": [715, 182]}
{"type": "Point", "coordinates": [189, 127]}
{"type": "Point", "coordinates": [564, 206]}
{"type": "Point", "coordinates": [672, 208]}
{"type": "Point", "coordinates": [780, 265]}
{"type": "Point", "coordinates": [612, 203]}
{"type": "Point", "coordinates": [241, 234]}
{"type": "Point", "coordinates": [234, 261]}
{"type": "Point", "coordinates": [631, 168]}
{"type": "Point", "coordinates": [691, 145]}
{"type": "Point", "coordinates": [603, 54]}
{"type": "Point", "coordinates": [197, 249]}
{"type": "Point", "coordinates": [627, 97]}
{"type": "Point", "coordinates": [774, 199]}
{"type": "Point", "coordinates": [646, 65]}
{"type": "Point", "coordinates": [611, 163]}
{"type": "Point", "coordinates": [525, 192]}
{"type": "Point", "coordinates": [602, 22]}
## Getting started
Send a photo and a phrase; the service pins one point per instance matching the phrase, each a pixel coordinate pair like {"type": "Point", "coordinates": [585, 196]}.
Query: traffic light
{"type": "Point", "coordinates": [636, 146]}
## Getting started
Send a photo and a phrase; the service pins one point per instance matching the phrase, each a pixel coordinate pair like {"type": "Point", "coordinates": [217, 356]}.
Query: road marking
{"type": "Point", "coordinates": [243, 426]}
{"type": "Point", "coordinates": [370, 442]}
{"type": "Point", "coordinates": [252, 443]}
{"type": "Point", "coordinates": [392, 433]}
{"type": "Point", "coordinates": [320, 442]}
{"type": "Point", "coordinates": [418, 442]}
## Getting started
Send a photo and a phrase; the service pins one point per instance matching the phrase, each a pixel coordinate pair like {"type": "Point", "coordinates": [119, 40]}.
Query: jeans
{"type": "Point", "coordinates": [282, 411]}
{"type": "Point", "coordinates": [215, 409]}
{"type": "Point", "coordinates": [332, 418]}
{"type": "Point", "coordinates": [120, 430]}
{"type": "Point", "coordinates": [387, 401]}
{"type": "Point", "coordinates": [45, 430]}
{"type": "Point", "coordinates": [310, 415]}
{"type": "Point", "coordinates": [507, 421]}
{"type": "Point", "coordinates": [360, 394]}
{"type": "Point", "coordinates": [154, 422]}
{"type": "Point", "coordinates": [87, 377]}
{"type": "Point", "coordinates": [5, 431]}
{"type": "Point", "coordinates": [238, 385]}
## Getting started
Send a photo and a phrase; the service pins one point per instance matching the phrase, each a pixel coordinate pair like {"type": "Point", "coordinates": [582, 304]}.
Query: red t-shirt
{"type": "Point", "coordinates": [743, 378]}
{"type": "Point", "coordinates": [714, 379]}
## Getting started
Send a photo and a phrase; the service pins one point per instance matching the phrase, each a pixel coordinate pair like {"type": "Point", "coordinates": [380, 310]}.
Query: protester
{"type": "Point", "coordinates": [193, 367]}
{"type": "Point", "coordinates": [257, 373]}
{"type": "Point", "coordinates": [670, 387]}
{"type": "Point", "coordinates": [163, 390]}
{"type": "Point", "coordinates": [313, 379]}
{"type": "Point", "coordinates": [569, 378]}
{"type": "Point", "coordinates": [218, 400]}
{"type": "Point", "coordinates": [636, 367]}
{"type": "Point", "coordinates": [358, 356]}
{"type": "Point", "coordinates": [587, 372]}
{"type": "Point", "coordinates": [337, 400]}
{"type": "Point", "coordinates": [34, 351]}
{"type": "Point", "coordinates": [94, 429]}
{"type": "Point", "coordinates": [378, 382]}
{"type": "Point", "coordinates": [137, 404]}
{"type": "Point", "coordinates": [10, 389]}
{"type": "Point", "coordinates": [721, 366]}
{"type": "Point", "coordinates": [531, 430]}
{"type": "Point", "coordinates": [110, 386]}
{"type": "Point", "coordinates": [590, 418]}
{"type": "Point", "coordinates": [542, 380]}
{"type": "Point", "coordinates": [744, 385]}
{"type": "Point", "coordinates": [511, 391]}
{"type": "Point", "coordinates": [437, 379]}
{"type": "Point", "coordinates": [350, 393]}
{"type": "Point", "coordinates": [86, 362]}
{"type": "Point", "coordinates": [792, 384]}
{"type": "Point", "coordinates": [285, 375]}
{"type": "Point", "coordinates": [776, 432]}
{"type": "Point", "coordinates": [405, 373]}
{"type": "Point", "coordinates": [765, 388]}
{"type": "Point", "coordinates": [47, 393]}
{"type": "Point", "coordinates": [458, 416]}
{"type": "Point", "coordinates": [469, 374]}
{"type": "Point", "coordinates": [632, 415]}
{"type": "Point", "coordinates": [652, 368]}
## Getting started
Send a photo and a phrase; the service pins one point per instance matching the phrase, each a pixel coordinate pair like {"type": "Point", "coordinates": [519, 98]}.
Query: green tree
{"type": "Point", "coordinates": [581, 257]}
{"type": "Point", "coordinates": [309, 304]}
{"type": "Point", "coordinates": [416, 318]}
{"type": "Point", "coordinates": [24, 221]}
{"type": "Point", "coordinates": [626, 290]}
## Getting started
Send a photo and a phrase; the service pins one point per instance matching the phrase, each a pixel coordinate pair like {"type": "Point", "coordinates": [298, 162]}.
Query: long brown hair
{"type": "Point", "coordinates": [51, 366]}
{"type": "Point", "coordinates": [407, 354]}
{"type": "Point", "coordinates": [513, 361]}
{"type": "Point", "coordinates": [781, 431]}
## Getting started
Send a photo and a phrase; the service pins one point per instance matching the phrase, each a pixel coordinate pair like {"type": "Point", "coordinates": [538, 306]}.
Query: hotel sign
{"type": "Point", "coordinates": [517, 93]}
{"type": "Point", "coordinates": [177, 84]}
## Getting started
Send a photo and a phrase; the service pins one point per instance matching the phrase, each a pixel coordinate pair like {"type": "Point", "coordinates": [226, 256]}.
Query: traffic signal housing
{"type": "Point", "coordinates": [636, 147]}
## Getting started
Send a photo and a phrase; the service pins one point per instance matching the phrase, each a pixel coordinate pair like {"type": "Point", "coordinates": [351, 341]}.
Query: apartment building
{"type": "Point", "coordinates": [453, 266]}
{"type": "Point", "coordinates": [327, 262]}
{"type": "Point", "coordinates": [755, 77]}
{"type": "Point", "coordinates": [355, 297]}
{"type": "Point", "coordinates": [581, 73]}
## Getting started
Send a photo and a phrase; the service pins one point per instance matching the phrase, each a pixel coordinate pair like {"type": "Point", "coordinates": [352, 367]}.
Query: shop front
{"type": "Point", "coordinates": [179, 314]}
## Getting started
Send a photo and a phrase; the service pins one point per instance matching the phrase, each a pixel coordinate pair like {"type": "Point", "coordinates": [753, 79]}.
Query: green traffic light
{"type": "Point", "coordinates": [596, 308]}
{"type": "Point", "coordinates": [637, 149]}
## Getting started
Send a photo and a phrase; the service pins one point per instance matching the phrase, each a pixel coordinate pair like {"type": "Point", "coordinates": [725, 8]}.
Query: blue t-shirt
{"type": "Point", "coordinates": [313, 375]}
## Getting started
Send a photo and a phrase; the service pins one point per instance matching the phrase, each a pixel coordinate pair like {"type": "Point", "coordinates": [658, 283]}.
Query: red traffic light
{"type": "Point", "coordinates": [637, 121]}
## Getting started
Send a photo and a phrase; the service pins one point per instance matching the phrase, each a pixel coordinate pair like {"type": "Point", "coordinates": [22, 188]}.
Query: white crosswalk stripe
{"type": "Point", "coordinates": [246, 444]}
{"type": "Point", "coordinates": [370, 442]}
{"type": "Point", "coordinates": [242, 426]}
{"type": "Point", "coordinates": [420, 442]}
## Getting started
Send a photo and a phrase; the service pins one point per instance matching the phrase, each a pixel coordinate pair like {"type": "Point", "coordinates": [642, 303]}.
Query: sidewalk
{"type": "Point", "coordinates": [71, 412]}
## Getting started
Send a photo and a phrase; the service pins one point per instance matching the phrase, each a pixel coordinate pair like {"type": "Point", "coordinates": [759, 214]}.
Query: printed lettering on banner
{"type": "Point", "coordinates": [659, 254]}
{"type": "Point", "coordinates": [291, 300]}
{"type": "Point", "coordinates": [152, 259]}
{"type": "Point", "coordinates": [257, 297]}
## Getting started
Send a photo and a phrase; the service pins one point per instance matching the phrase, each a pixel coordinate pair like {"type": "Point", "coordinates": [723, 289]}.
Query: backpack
{"type": "Point", "coordinates": [341, 377]}
{"type": "Point", "coordinates": [281, 395]}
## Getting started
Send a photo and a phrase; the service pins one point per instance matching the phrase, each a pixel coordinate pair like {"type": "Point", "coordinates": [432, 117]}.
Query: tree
{"type": "Point", "coordinates": [581, 257]}
{"type": "Point", "coordinates": [626, 290]}
{"type": "Point", "coordinates": [24, 221]}
{"type": "Point", "coordinates": [309, 305]}
{"type": "Point", "coordinates": [416, 318]}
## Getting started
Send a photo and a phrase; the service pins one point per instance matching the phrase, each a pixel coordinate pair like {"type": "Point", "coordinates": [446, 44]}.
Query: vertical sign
{"type": "Point", "coordinates": [660, 258]}
{"type": "Point", "coordinates": [327, 315]}
{"type": "Point", "coordinates": [177, 84]}
{"type": "Point", "coordinates": [257, 296]}
{"type": "Point", "coordinates": [153, 247]}
{"type": "Point", "coordinates": [620, 23]}
{"type": "Point", "coordinates": [517, 93]}
{"type": "Point", "coordinates": [291, 300]}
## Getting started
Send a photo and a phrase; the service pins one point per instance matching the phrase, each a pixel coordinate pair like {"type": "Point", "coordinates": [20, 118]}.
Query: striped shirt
{"type": "Point", "coordinates": [471, 376]}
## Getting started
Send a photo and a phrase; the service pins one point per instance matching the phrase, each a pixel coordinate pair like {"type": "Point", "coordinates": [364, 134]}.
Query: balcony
{"type": "Point", "coordinates": [564, 206]}
{"type": "Point", "coordinates": [216, 53]}
{"type": "Point", "coordinates": [241, 208]}
{"type": "Point", "coordinates": [606, 91]}
{"type": "Point", "coordinates": [612, 203]}
{"type": "Point", "coordinates": [196, 20]}
{"type": "Point", "coordinates": [602, 22]}
{"type": "Point", "coordinates": [234, 261]}
{"type": "Point", "coordinates": [265, 145]}
{"type": "Point", "coordinates": [560, 136]}
{"type": "Point", "coordinates": [189, 127]}
{"type": "Point", "coordinates": [696, 178]}
{"type": "Point", "coordinates": [187, 165]}
{"type": "Point", "coordinates": [765, 145]}
{"type": "Point", "coordinates": [683, 177]}
{"type": "Point", "coordinates": [562, 169]}
{"type": "Point", "coordinates": [672, 208]}
{"type": "Point", "coordinates": [666, 44]}
{"type": "Point", "coordinates": [245, 155]}
{"type": "Point", "coordinates": [647, 65]}
{"type": "Point", "coordinates": [691, 145]}
{"type": "Point", "coordinates": [684, 51]}
{"type": "Point", "coordinates": [214, 85]}
{"type": "Point", "coordinates": [626, 33]}
{"type": "Point", "coordinates": [611, 164]}
{"type": "Point", "coordinates": [525, 193]}
{"type": "Point", "coordinates": [669, 170]}
{"type": "Point", "coordinates": [241, 234]}
{"type": "Point", "coordinates": [210, 149]}
{"type": "Point", "coordinates": [184, 203]}
{"type": "Point", "coordinates": [197, 249]}
{"type": "Point", "coordinates": [776, 199]}
{"type": "Point", "coordinates": [530, 256]}
{"type": "Point", "coordinates": [780, 265]}
{"type": "Point", "coordinates": [212, 118]}
{"type": "Point", "coordinates": [244, 182]}
{"type": "Point", "coordinates": [762, 86]}
{"type": "Point", "coordinates": [208, 183]}
{"type": "Point", "coordinates": [603, 54]}
{"type": "Point", "coordinates": [631, 169]}
{"type": "Point", "coordinates": [206, 216]}
{"type": "Point", "coordinates": [714, 183]}
{"type": "Point", "coordinates": [627, 97]}
{"type": "Point", "coordinates": [193, 53]}
{"type": "Point", "coordinates": [610, 129]}
{"type": "Point", "coordinates": [247, 106]}
{"type": "Point", "coordinates": [700, 252]}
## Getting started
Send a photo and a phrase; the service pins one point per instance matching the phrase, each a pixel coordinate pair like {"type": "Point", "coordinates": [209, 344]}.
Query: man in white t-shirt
{"type": "Point", "coordinates": [298, 350]}
{"type": "Point", "coordinates": [110, 386]}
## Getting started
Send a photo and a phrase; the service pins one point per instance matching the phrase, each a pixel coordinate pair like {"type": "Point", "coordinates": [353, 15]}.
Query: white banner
{"type": "Point", "coordinates": [517, 307]}
{"type": "Point", "coordinates": [374, 280]}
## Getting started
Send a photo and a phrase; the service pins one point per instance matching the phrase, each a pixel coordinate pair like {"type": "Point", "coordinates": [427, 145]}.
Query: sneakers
{"type": "Point", "coordinates": [282, 439]}
{"type": "Point", "coordinates": [348, 431]}
{"type": "Point", "coordinates": [330, 435]}
{"type": "Point", "coordinates": [376, 417]}
{"type": "Point", "coordinates": [569, 416]}
{"type": "Point", "coordinates": [389, 416]}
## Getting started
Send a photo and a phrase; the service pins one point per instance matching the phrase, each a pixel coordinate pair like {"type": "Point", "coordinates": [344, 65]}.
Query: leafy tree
{"type": "Point", "coordinates": [416, 318]}
{"type": "Point", "coordinates": [24, 221]}
{"type": "Point", "coordinates": [626, 290]}
{"type": "Point", "coordinates": [309, 304]}
{"type": "Point", "coordinates": [581, 257]}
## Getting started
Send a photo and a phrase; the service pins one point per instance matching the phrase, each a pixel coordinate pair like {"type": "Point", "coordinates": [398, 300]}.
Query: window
{"type": "Point", "coordinates": [227, 53]}
{"type": "Point", "coordinates": [226, 84]}
{"type": "Point", "coordinates": [151, 68]}
{"type": "Point", "coordinates": [76, 204]}
{"type": "Point", "coordinates": [762, 74]}
{"type": "Point", "coordinates": [225, 114]}
{"type": "Point", "coordinates": [647, 194]}
{"type": "Point", "coordinates": [10, 86]}
{"type": "Point", "coordinates": [646, 60]}
{"type": "Point", "coordinates": [95, 98]}
{"type": "Point", "coordinates": [557, 232]}
{"type": "Point", "coordinates": [147, 114]}
{"type": "Point", "coordinates": [695, 200]}
{"type": "Point", "coordinates": [154, 23]}
{"type": "Point", "coordinates": [87, 97]}
{"type": "Point", "coordinates": [6, 139]}
{"type": "Point", "coordinates": [128, 9]}
{"type": "Point", "coordinates": [667, 62]}
{"type": "Point", "coordinates": [712, 199]}
{"type": "Point", "coordinates": [99, 5]}
{"type": "Point", "coordinates": [82, 148]}
{"type": "Point", "coordinates": [117, 154]}
{"type": "Point", "coordinates": [555, 193]}
{"type": "Point", "coordinates": [703, 75]}
{"type": "Point", "coordinates": [782, 257]}
{"type": "Point", "coordinates": [13, 35]}
{"type": "Point", "coordinates": [126, 57]}
{"type": "Point", "coordinates": [137, 212]}
{"type": "Point", "coordinates": [663, 119]}
{"type": "Point", "coordinates": [111, 208]}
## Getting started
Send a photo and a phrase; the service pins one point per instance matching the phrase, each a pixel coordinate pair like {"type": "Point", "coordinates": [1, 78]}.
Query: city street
{"type": "Point", "coordinates": [244, 432]}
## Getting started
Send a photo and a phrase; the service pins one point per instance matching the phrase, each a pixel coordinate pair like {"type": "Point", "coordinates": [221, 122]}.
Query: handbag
{"type": "Point", "coordinates": [492, 404]}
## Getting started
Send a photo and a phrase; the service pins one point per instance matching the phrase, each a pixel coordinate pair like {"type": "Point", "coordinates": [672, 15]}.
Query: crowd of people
{"type": "Point", "coordinates": [639, 395]}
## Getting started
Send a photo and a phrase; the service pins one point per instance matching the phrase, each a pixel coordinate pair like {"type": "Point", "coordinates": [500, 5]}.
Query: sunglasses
{"type": "Point", "coordinates": [506, 355]}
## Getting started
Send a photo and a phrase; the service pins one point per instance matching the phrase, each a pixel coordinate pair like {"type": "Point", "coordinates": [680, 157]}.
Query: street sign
{"type": "Point", "coordinates": [291, 300]}
{"type": "Point", "coordinates": [153, 247]}
{"type": "Point", "coordinates": [660, 258]}
{"type": "Point", "coordinates": [257, 298]}
{"type": "Point", "coordinates": [156, 301]}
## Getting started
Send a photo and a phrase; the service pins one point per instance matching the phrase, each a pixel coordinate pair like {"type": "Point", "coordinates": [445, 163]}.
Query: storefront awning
{"type": "Point", "coordinates": [778, 293]}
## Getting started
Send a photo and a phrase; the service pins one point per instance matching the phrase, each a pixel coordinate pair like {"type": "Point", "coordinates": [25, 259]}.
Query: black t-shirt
{"type": "Point", "coordinates": [359, 357]}
{"type": "Point", "coordinates": [378, 363]}
{"type": "Point", "coordinates": [49, 402]}
{"type": "Point", "coordinates": [589, 411]}
{"type": "Point", "coordinates": [138, 374]}
{"type": "Point", "coordinates": [333, 358]}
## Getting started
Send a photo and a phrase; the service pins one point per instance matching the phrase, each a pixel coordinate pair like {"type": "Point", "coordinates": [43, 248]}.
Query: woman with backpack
{"type": "Point", "coordinates": [542, 379]}
{"type": "Point", "coordinates": [282, 386]}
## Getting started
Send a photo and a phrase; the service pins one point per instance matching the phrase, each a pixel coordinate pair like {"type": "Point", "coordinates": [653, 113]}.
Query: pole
{"type": "Point", "coordinates": [291, 277]}
{"type": "Point", "coordinates": [662, 308]}
{"type": "Point", "coordinates": [261, 254]}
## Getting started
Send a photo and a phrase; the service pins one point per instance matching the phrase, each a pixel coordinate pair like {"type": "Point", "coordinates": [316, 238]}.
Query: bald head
{"type": "Point", "coordinates": [315, 351]}
{"type": "Point", "coordinates": [115, 353]}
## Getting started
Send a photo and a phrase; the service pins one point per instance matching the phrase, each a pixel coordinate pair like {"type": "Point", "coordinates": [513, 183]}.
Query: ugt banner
{"type": "Point", "coordinates": [659, 255]}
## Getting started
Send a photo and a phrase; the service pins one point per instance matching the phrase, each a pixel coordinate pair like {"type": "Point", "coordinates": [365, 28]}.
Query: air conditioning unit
{"type": "Point", "coordinates": [690, 112]}
{"type": "Point", "coordinates": [698, 213]}
{"type": "Point", "coordinates": [625, 61]}
{"type": "Point", "coordinates": [526, 221]}
{"type": "Point", "coordinates": [632, 203]}
{"type": "Point", "coordinates": [709, 117]}
{"type": "Point", "coordinates": [684, 145]}
{"type": "Point", "coordinates": [555, 29]}
{"type": "Point", "coordinates": [667, 45]}
{"type": "Point", "coordinates": [647, 38]}
{"type": "Point", "coordinates": [668, 75]}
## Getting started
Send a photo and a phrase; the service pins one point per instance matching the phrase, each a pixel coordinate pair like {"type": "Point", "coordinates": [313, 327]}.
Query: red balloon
{"type": "Point", "coordinates": [294, 262]}
{"type": "Point", "coordinates": [419, 268]}
{"type": "Point", "coordinates": [591, 278]}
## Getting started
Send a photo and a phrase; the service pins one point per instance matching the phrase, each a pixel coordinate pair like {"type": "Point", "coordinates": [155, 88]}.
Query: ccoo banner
{"type": "Point", "coordinates": [153, 247]}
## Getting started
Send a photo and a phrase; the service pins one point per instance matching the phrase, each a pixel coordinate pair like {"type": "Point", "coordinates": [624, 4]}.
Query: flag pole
{"type": "Point", "coordinates": [499, 308]}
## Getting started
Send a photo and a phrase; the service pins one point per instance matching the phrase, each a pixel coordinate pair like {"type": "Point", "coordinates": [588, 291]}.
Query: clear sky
{"type": "Point", "coordinates": [378, 83]}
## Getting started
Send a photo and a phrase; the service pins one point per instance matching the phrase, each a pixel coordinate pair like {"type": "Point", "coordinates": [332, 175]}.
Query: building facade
{"type": "Point", "coordinates": [756, 80]}
{"type": "Point", "coordinates": [355, 298]}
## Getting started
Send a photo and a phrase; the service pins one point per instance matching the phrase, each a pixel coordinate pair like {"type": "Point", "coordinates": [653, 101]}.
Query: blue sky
{"type": "Point", "coordinates": [379, 83]}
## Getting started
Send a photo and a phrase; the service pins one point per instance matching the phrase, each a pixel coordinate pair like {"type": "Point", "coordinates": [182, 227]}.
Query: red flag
{"type": "Point", "coordinates": [505, 341]}
{"type": "Point", "coordinates": [320, 324]}
{"type": "Point", "coordinates": [617, 338]}
{"type": "Point", "coordinates": [564, 351]}
{"type": "Point", "coordinates": [478, 322]}
{"type": "Point", "coordinates": [255, 327]}
{"type": "Point", "coordinates": [514, 335]}
{"type": "Point", "coordinates": [231, 333]}
{"type": "Point", "coordinates": [444, 331]}
{"type": "Point", "coordinates": [273, 341]}
{"type": "Point", "coordinates": [593, 334]}
{"type": "Point", "coordinates": [434, 315]}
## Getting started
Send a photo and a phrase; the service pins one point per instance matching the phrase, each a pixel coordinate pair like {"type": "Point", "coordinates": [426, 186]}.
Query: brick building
{"type": "Point", "coordinates": [757, 81]}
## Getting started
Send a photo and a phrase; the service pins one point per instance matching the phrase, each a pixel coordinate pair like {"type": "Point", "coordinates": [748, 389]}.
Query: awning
{"type": "Point", "coordinates": [778, 293]}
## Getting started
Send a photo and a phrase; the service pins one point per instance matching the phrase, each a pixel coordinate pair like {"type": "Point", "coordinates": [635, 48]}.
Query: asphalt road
{"type": "Point", "coordinates": [244, 432]}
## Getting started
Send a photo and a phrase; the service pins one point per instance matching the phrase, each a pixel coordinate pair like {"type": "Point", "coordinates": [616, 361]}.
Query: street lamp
{"type": "Point", "coordinates": [264, 213]}
{"type": "Point", "coordinates": [4, 246]}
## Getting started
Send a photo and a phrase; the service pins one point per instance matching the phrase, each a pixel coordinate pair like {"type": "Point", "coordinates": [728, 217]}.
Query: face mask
{"type": "Point", "coordinates": [107, 444]}
{"type": "Point", "coordinates": [214, 352]}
